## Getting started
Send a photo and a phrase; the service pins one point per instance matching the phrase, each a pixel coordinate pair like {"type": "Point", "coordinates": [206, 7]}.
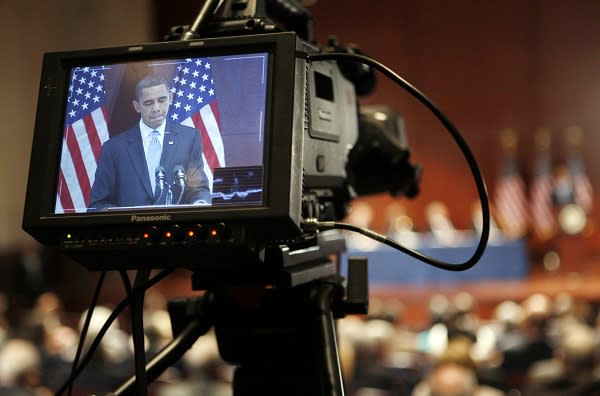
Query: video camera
{"type": "Point", "coordinates": [285, 148]}
{"type": "Point", "coordinates": [283, 140]}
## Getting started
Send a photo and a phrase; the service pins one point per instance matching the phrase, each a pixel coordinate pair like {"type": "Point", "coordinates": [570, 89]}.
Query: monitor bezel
{"type": "Point", "coordinates": [279, 216]}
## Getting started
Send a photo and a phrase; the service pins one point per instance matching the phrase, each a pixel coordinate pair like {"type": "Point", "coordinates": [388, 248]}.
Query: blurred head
{"type": "Point", "coordinates": [577, 347]}
{"type": "Point", "coordinates": [48, 309]}
{"type": "Point", "coordinates": [537, 309]}
{"type": "Point", "coordinates": [19, 363]}
{"type": "Point", "coordinates": [61, 341]}
{"type": "Point", "coordinates": [509, 313]}
{"type": "Point", "coordinates": [458, 352]}
{"type": "Point", "coordinates": [452, 379]}
{"type": "Point", "coordinates": [113, 347]}
{"type": "Point", "coordinates": [440, 308]}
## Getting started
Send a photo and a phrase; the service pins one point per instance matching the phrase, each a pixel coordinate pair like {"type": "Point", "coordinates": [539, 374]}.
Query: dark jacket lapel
{"type": "Point", "coordinates": [135, 149]}
{"type": "Point", "coordinates": [169, 148]}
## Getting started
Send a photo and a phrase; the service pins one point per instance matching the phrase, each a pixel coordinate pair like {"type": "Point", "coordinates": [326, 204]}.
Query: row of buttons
{"type": "Point", "coordinates": [195, 232]}
{"type": "Point", "coordinates": [153, 234]}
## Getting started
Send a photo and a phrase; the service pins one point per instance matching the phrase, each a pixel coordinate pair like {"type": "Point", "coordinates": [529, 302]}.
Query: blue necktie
{"type": "Point", "coordinates": [153, 158]}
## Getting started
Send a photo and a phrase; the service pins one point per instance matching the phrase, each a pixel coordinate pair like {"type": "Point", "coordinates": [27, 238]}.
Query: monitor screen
{"type": "Point", "coordinates": [164, 132]}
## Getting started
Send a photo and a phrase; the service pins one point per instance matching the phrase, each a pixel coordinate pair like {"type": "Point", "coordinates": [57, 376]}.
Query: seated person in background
{"type": "Point", "coordinates": [573, 369]}
{"type": "Point", "coordinates": [451, 379]}
{"type": "Point", "coordinates": [454, 374]}
{"type": "Point", "coordinates": [20, 369]}
{"type": "Point", "coordinates": [528, 343]}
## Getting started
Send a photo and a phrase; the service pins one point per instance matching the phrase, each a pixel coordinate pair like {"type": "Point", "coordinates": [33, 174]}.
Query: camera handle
{"type": "Point", "coordinates": [246, 17]}
{"type": "Point", "coordinates": [281, 340]}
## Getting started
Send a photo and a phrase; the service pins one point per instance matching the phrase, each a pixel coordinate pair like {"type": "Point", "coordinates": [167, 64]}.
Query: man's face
{"type": "Point", "coordinates": [153, 105]}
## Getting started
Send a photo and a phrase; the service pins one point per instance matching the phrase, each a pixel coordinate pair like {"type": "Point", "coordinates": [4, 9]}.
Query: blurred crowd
{"type": "Point", "coordinates": [36, 354]}
{"type": "Point", "coordinates": [538, 346]}
{"type": "Point", "coordinates": [542, 345]}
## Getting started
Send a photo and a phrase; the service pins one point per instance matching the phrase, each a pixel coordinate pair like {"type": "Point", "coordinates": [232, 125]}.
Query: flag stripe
{"type": "Point", "coordinates": [209, 173]}
{"type": "Point", "coordinates": [77, 156]}
{"type": "Point", "coordinates": [584, 195]}
{"type": "Point", "coordinates": [72, 186]}
{"type": "Point", "coordinates": [212, 128]}
{"type": "Point", "coordinates": [85, 143]}
{"type": "Point", "coordinates": [511, 201]}
{"type": "Point", "coordinates": [542, 216]}
{"type": "Point", "coordinates": [582, 189]}
{"type": "Point", "coordinates": [541, 197]}
{"type": "Point", "coordinates": [95, 126]}
{"type": "Point", "coordinates": [215, 112]}
{"type": "Point", "coordinates": [92, 137]}
{"type": "Point", "coordinates": [513, 208]}
{"type": "Point", "coordinates": [209, 151]}
{"type": "Point", "coordinates": [64, 196]}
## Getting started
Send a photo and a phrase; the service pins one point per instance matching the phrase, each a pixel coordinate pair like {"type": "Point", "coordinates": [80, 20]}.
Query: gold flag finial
{"type": "Point", "coordinates": [574, 136]}
{"type": "Point", "coordinates": [542, 139]}
{"type": "Point", "coordinates": [509, 139]}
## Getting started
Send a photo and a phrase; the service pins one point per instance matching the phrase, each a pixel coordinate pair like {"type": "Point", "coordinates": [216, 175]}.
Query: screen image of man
{"type": "Point", "coordinates": [155, 162]}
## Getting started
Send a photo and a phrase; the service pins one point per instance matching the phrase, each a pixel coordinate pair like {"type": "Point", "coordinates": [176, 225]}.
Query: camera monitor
{"type": "Point", "coordinates": [229, 159]}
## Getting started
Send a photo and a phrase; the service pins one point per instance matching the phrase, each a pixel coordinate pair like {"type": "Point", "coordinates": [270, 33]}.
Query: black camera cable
{"type": "Point", "coordinates": [315, 225]}
{"type": "Point", "coordinates": [85, 327]}
{"type": "Point", "coordinates": [113, 316]}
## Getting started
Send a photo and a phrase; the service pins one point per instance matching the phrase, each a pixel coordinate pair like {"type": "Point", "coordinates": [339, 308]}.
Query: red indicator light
{"type": "Point", "coordinates": [146, 235]}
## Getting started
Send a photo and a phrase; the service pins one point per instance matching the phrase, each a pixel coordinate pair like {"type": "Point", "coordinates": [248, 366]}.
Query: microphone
{"type": "Point", "coordinates": [160, 175]}
{"type": "Point", "coordinates": [179, 183]}
{"type": "Point", "coordinates": [179, 176]}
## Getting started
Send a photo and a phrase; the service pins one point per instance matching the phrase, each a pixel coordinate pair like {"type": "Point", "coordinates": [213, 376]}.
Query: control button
{"type": "Point", "coordinates": [197, 231]}
{"type": "Point", "coordinates": [219, 232]}
{"type": "Point", "coordinates": [320, 163]}
{"type": "Point", "coordinates": [173, 233]}
{"type": "Point", "coordinates": [224, 231]}
{"type": "Point", "coordinates": [152, 234]}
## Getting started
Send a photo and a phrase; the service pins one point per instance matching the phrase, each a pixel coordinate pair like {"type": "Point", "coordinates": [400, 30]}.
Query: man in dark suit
{"type": "Point", "coordinates": [127, 170]}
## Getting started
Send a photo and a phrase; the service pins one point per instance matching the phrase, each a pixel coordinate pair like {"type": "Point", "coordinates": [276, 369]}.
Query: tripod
{"type": "Point", "coordinates": [281, 338]}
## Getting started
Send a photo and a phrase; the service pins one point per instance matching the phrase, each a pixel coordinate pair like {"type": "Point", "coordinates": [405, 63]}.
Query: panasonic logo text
{"type": "Point", "coordinates": [142, 219]}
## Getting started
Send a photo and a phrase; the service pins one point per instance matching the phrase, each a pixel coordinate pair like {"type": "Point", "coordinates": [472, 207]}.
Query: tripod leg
{"type": "Point", "coordinates": [285, 345]}
{"type": "Point", "coordinates": [328, 335]}
{"type": "Point", "coordinates": [168, 355]}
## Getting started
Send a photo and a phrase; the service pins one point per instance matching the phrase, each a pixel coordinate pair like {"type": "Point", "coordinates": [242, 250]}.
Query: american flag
{"type": "Point", "coordinates": [194, 104]}
{"type": "Point", "coordinates": [583, 193]}
{"type": "Point", "coordinates": [85, 132]}
{"type": "Point", "coordinates": [511, 201]}
{"type": "Point", "coordinates": [542, 187]}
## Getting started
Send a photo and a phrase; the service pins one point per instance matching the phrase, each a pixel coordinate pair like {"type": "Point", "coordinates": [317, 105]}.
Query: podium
{"type": "Point", "coordinates": [504, 260]}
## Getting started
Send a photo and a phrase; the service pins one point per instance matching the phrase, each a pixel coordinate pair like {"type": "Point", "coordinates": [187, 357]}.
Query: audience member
{"type": "Point", "coordinates": [528, 343]}
{"type": "Point", "coordinates": [572, 370]}
{"type": "Point", "coordinates": [58, 352]}
{"type": "Point", "coordinates": [455, 373]}
{"type": "Point", "coordinates": [112, 363]}
{"type": "Point", "coordinates": [448, 379]}
{"type": "Point", "coordinates": [20, 369]}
